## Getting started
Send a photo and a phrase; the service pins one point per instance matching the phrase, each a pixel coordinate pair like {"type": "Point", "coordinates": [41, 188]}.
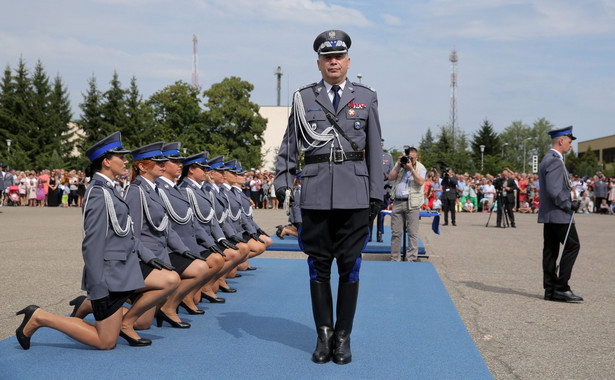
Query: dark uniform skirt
{"type": "Point", "coordinates": [105, 307]}
{"type": "Point", "coordinates": [179, 262]}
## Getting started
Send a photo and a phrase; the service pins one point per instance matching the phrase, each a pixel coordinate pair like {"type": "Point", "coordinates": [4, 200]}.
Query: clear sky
{"type": "Point", "coordinates": [518, 59]}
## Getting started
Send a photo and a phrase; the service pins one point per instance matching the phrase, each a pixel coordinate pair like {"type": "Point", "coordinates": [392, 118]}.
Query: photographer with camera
{"type": "Point", "coordinates": [449, 195]}
{"type": "Point", "coordinates": [407, 194]}
{"type": "Point", "coordinates": [505, 187]}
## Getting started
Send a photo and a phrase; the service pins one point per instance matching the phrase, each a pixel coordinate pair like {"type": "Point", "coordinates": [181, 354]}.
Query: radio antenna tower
{"type": "Point", "coordinates": [195, 61]}
{"type": "Point", "coordinates": [453, 58]}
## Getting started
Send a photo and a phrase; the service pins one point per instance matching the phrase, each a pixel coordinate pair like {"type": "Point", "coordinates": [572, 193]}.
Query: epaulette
{"type": "Point", "coordinates": [307, 86]}
{"type": "Point", "coordinates": [137, 182]}
{"type": "Point", "coordinates": [97, 182]}
{"type": "Point", "coordinates": [364, 86]}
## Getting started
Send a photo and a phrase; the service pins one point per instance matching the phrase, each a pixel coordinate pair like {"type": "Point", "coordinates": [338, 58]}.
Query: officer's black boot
{"type": "Point", "coordinates": [347, 295]}
{"type": "Point", "coordinates": [322, 307]}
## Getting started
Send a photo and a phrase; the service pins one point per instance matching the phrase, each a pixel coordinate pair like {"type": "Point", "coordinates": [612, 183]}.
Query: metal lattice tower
{"type": "Point", "coordinates": [453, 58]}
{"type": "Point", "coordinates": [195, 61]}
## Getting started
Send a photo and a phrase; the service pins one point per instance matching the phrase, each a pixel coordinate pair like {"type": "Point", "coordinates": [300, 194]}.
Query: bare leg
{"type": "Point", "coordinates": [192, 278]}
{"type": "Point", "coordinates": [102, 336]}
{"type": "Point", "coordinates": [158, 285]}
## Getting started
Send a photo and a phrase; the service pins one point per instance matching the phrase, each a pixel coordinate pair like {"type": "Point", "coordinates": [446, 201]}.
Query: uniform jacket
{"type": "Point", "coordinates": [449, 188]}
{"type": "Point", "coordinates": [502, 183]}
{"type": "Point", "coordinates": [246, 209]}
{"type": "Point", "coordinates": [160, 243]}
{"type": "Point", "coordinates": [220, 207]}
{"type": "Point", "coordinates": [554, 198]}
{"type": "Point", "coordinates": [190, 232]}
{"type": "Point", "coordinates": [295, 210]}
{"type": "Point", "coordinates": [345, 185]}
{"type": "Point", "coordinates": [202, 208]}
{"type": "Point", "coordinates": [235, 206]}
{"type": "Point", "coordinates": [111, 261]}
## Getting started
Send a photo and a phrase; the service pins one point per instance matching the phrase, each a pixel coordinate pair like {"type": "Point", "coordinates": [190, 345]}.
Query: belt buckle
{"type": "Point", "coordinates": [338, 156]}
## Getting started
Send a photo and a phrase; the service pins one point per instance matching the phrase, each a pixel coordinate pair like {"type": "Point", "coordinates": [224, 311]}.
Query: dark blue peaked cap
{"type": "Point", "coordinates": [199, 159]}
{"type": "Point", "coordinates": [171, 151]}
{"type": "Point", "coordinates": [562, 132]}
{"type": "Point", "coordinates": [217, 163]}
{"type": "Point", "coordinates": [332, 42]}
{"type": "Point", "coordinates": [149, 152]}
{"type": "Point", "coordinates": [111, 143]}
{"type": "Point", "coordinates": [231, 165]}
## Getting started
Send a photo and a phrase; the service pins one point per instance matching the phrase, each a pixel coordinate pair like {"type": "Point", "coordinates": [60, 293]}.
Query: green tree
{"type": "Point", "coordinates": [236, 128]}
{"type": "Point", "coordinates": [113, 106]}
{"type": "Point", "coordinates": [92, 123]}
{"type": "Point", "coordinates": [138, 130]}
{"type": "Point", "coordinates": [60, 114]}
{"type": "Point", "coordinates": [178, 116]}
{"type": "Point", "coordinates": [512, 138]}
{"type": "Point", "coordinates": [540, 141]}
{"type": "Point", "coordinates": [487, 137]}
{"type": "Point", "coordinates": [20, 126]}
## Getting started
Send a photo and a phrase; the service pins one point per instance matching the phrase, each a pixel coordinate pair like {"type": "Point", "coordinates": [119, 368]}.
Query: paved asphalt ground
{"type": "Point", "coordinates": [493, 276]}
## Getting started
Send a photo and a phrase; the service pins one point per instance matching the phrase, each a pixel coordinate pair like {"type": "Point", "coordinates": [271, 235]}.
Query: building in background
{"type": "Point", "coordinates": [277, 120]}
{"type": "Point", "coordinates": [603, 148]}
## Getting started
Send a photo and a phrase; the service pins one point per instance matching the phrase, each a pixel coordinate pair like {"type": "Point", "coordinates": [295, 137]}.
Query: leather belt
{"type": "Point", "coordinates": [338, 156]}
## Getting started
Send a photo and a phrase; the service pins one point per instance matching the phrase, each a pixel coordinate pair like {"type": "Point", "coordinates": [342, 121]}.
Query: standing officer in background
{"type": "Point", "coordinates": [555, 211]}
{"type": "Point", "coordinates": [375, 208]}
{"type": "Point", "coordinates": [449, 195]}
{"type": "Point", "coordinates": [506, 186]}
{"type": "Point", "coordinates": [335, 122]}
{"type": "Point", "coordinates": [409, 177]}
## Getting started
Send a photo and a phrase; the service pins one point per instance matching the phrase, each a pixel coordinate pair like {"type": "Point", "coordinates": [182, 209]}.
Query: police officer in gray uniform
{"type": "Point", "coordinates": [387, 165]}
{"type": "Point", "coordinates": [555, 211]}
{"type": "Point", "coordinates": [110, 253]}
{"type": "Point", "coordinates": [335, 122]}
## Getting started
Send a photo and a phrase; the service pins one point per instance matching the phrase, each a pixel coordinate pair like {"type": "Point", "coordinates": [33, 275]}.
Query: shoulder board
{"type": "Point", "coordinates": [183, 184]}
{"type": "Point", "coordinates": [136, 182]}
{"type": "Point", "coordinates": [307, 86]}
{"type": "Point", "coordinates": [364, 86]}
{"type": "Point", "coordinates": [97, 182]}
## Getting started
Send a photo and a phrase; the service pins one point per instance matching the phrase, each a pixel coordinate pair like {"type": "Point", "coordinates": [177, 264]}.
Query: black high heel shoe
{"type": "Point", "coordinates": [212, 299]}
{"type": "Point", "coordinates": [77, 304]}
{"type": "Point", "coordinates": [141, 342]}
{"type": "Point", "coordinates": [23, 340]}
{"type": "Point", "coordinates": [227, 290]}
{"type": "Point", "coordinates": [191, 311]}
{"type": "Point", "coordinates": [161, 316]}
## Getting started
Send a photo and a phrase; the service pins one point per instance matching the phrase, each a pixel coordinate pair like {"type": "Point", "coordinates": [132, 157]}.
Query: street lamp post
{"type": "Point", "coordinates": [8, 145]}
{"type": "Point", "coordinates": [482, 160]}
{"type": "Point", "coordinates": [524, 155]}
{"type": "Point", "coordinates": [503, 145]}
{"type": "Point", "coordinates": [359, 76]}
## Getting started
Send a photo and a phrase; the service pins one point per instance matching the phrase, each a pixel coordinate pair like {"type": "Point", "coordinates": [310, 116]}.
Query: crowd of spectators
{"type": "Point", "coordinates": [477, 193]}
{"type": "Point", "coordinates": [62, 188]}
{"type": "Point", "coordinates": [45, 188]}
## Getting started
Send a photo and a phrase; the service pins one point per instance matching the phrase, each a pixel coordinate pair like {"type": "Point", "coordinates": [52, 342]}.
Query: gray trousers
{"type": "Point", "coordinates": [399, 212]}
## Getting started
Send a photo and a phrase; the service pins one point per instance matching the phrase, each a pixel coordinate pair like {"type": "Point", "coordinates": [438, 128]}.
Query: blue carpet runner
{"type": "Point", "coordinates": [290, 243]}
{"type": "Point", "coordinates": [406, 327]}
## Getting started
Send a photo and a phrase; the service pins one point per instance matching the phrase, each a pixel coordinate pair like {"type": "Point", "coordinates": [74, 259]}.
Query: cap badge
{"type": "Point", "coordinates": [332, 34]}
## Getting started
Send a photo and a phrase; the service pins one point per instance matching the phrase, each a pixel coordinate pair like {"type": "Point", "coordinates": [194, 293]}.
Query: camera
{"type": "Point", "coordinates": [404, 160]}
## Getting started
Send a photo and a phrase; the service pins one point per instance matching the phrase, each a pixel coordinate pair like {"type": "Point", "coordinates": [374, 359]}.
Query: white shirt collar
{"type": "Point", "coordinates": [152, 185]}
{"type": "Point", "coordinates": [193, 181]}
{"type": "Point", "coordinates": [167, 180]}
{"type": "Point", "coordinates": [328, 88]}
{"type": "Point", "coordinates": [226, 186]}
{"type": "Point", "coordinates": [561, 157]}
{"type": "Point", "coordinates": [106, 178]}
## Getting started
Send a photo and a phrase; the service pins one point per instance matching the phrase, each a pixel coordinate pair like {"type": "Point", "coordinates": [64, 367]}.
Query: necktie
{"type": "Point", "coordinates": [336, 96]}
